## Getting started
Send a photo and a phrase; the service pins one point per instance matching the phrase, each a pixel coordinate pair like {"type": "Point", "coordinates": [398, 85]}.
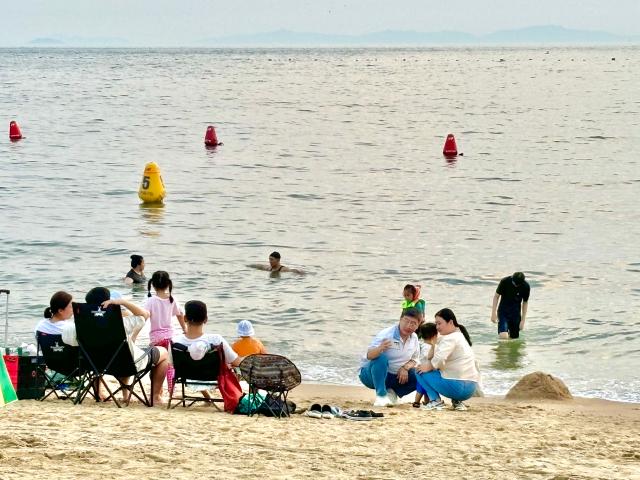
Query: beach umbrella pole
{"type": "Point", "coordinates": [6, 317]}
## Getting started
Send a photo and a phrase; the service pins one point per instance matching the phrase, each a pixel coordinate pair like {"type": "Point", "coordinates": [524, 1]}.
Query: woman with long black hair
{"type": "Point", "coordinates": [451, 370]}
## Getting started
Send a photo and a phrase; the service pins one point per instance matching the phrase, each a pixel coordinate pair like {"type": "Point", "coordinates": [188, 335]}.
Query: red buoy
{"type": "Point", "coordinates": [450, 148]}
{"type": "Point", "coordinates": [14, 131]}
{"type": "Point", "coordinates": [210, 137]}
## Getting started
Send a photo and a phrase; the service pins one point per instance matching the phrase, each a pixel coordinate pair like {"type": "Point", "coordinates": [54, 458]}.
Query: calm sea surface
{"type": "Point", "coordinates": [333, 157]}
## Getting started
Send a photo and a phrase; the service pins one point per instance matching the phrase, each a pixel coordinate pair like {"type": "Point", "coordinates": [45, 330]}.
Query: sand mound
{"type": "Point", "coordinates": [539, 385]}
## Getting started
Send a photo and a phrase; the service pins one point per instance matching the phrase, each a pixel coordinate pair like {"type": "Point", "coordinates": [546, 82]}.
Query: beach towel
{"type": "Point", "coordinates": [228, 385]}
{"type": "Point", "coordinates": [7, 392]}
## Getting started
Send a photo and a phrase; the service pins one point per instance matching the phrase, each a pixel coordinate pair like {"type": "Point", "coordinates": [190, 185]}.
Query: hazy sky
{"type": "Point", "coordinates": [173, 22]}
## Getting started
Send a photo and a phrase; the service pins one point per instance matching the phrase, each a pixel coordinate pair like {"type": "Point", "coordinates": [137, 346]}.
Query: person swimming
{"type": "Point", "coordinates": [275, 266]}
{"type": "Point", "coordinates": [136, 274]}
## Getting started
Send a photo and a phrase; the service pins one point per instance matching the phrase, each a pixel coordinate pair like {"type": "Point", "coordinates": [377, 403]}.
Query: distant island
{"type": "Point", "coordinates": [67, 41]}
{"type": "Point", "coordinates": [536, 35]}
{"type": "Point", "coordinates": [46, 41]}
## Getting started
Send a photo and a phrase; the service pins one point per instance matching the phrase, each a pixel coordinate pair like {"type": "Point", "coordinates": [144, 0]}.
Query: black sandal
{"type": "Point", "coordinates": [361, 415]}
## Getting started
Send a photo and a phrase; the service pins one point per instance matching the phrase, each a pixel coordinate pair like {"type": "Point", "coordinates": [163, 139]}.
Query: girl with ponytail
{"type": "Point", "coordinates": [451, 371]}
{"type": "Point", "coordinates": [162, 308]}
{"type": "Point", "coordinates": [60, 310]}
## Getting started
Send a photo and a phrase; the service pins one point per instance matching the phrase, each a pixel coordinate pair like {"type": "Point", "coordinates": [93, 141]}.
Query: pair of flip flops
{"type": "Point", "coordinates": [361, 415]}
{"type": "Point", "coordinates": [323, 411]}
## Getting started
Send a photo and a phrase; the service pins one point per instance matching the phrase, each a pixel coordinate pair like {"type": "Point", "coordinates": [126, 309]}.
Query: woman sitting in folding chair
{"type": "Point", "coordinates": [63, 368]}
{"type": "Point", "coordinates": [57, 314]}
{"type": "Point", "coordinates": [133, 321]}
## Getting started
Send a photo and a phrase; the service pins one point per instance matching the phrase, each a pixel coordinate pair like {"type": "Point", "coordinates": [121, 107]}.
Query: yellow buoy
{"type": "Point", "coordinates": [151, 188]}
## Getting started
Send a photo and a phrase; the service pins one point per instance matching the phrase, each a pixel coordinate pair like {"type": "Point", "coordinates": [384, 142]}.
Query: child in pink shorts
{"type": "Point", "coordinates": [163, 307]}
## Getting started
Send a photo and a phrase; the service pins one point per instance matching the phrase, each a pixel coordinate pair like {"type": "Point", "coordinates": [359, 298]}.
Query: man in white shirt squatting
{"type": "Point", "coordinates": [389, 365]}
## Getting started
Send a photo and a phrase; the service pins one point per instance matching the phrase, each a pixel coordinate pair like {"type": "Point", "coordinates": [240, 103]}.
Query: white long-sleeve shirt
{"type": "Point", "coordinates": [454, 358]}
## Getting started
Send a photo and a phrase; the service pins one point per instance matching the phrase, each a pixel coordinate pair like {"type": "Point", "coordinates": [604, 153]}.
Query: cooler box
{"type": "Point", "coordinates": [26, 377]}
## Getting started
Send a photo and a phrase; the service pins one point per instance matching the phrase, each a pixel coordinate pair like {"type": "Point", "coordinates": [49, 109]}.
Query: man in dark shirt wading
{"type": "Point", "coordinates": [513, 293]}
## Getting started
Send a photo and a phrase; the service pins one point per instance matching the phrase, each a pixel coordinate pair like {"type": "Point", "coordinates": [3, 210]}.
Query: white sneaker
{"type": "Point", "coordinates": [393, 396]}
{"type": "Point", "coordinates": [459, 406]}
{"type": "Point", "coordinates": [382, 401]}
{"type": "Point", "coordinates": [434, 405]}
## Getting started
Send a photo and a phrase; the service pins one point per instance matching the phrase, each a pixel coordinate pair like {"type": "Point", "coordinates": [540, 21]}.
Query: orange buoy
{"type": "Point", "coordinates": [450, 148]}
{"type": "Point", "coordinates": [14, 131]}
{"type": "Point", "coordinates": [210, 137]}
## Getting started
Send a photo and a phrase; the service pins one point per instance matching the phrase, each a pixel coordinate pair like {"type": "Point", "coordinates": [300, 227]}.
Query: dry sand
{"type": "Point", "coordinates": [495, 438]}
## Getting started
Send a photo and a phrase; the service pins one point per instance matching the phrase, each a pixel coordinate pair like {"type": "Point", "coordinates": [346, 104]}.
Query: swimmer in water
{"type": "Point", "coordinates": [275, 266]}
{"type": "Point", "coordinates": [136, 274]}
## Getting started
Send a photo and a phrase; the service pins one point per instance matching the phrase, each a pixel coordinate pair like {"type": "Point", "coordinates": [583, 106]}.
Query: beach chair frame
{"type": "Point", "coordinates": [104, 347]}
{"type": "Point", "coordinates": [194, 372]}
{"type": "Point", "coordinates": [55, 355]}
{"type": "Point", "coordinates": [276, 375]}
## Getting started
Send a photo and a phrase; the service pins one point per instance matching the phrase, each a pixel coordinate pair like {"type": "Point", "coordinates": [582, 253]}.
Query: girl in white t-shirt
{"type": "Point", "coordinates": [162, 308]}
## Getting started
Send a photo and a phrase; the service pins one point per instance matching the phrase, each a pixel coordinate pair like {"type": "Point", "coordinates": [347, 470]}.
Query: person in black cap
{"type": "Point", "coordinates": [510, 314]}
{"type": "Point", "coordinates": [275, 266]}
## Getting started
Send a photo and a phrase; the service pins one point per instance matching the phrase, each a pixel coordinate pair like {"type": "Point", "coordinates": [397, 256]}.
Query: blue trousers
{"type": "Point", "coordinates": [433, 383]}
{"type": "Point", "coordinates": [509, 324]}
{"type": "Point", "coordinates": [375, 374]}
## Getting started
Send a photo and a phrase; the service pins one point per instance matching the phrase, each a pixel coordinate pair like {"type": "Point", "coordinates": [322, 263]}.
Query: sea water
{"type": "Point", "coordinates": [334, 158]}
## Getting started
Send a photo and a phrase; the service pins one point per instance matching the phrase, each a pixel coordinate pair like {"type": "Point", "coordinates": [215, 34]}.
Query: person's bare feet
{"type": "Point", "coordinates": [126, 394]}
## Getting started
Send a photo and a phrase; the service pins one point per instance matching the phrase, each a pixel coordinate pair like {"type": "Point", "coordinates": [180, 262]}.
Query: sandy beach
{"type": "Point", "coordinates": [495, 438]}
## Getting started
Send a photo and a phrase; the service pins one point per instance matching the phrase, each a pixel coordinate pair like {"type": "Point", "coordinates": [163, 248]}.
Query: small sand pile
{"type": "Point", "coordinates": [541, 386]}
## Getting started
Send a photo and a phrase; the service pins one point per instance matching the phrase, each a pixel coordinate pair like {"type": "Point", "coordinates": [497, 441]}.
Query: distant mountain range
{"type": "Point", "coordinates": [74, 41]}
{"type": "Point", "coordinates": [540, 35]}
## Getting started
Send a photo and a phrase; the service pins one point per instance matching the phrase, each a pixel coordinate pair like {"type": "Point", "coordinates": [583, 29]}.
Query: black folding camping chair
{"type": "Point", "coordinates": [103, 345]}
{"type": "Point", "coordinates": [64, 377]}
{"type": "Point", "coordinates": [276, 375]}
{"type": "Point", "coordinates": [190, 372]}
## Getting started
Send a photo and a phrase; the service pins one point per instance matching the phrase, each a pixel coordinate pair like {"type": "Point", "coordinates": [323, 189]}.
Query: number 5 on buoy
{"type": "Point", "coordinates": [151, 188]}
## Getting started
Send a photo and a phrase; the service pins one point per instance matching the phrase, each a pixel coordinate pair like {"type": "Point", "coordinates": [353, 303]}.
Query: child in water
{"type": "Point", "coordinates": [412, 299]}
{"type": "Point", "coordinates": [162, 307]}
{"type": "Point", "coordinates": [427, 334]}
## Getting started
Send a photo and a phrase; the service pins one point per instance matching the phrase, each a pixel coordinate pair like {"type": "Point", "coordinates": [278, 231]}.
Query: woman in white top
{"type": "Point", "coordinates": [451, 369]}
{"type": "Point", "coordinates": [56, 315]}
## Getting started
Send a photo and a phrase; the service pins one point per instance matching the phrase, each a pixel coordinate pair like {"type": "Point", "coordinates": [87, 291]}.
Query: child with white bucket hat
{"type": "Point", "coordinates": [247, 344]}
